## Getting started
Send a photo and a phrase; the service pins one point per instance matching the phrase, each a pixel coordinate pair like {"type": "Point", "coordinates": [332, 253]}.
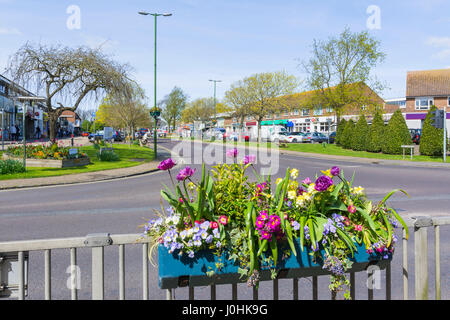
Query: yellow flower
{"type": "Point", "coordinates": [327, 173]}
{"type": "Point", "coordinates": [279, 180]}
{"type": "Point", "coordinates": [191, 186]}
{"type": "Point", "coordinates": [300, 201]}
{"type": "Point", "coordinates": [292, 194]}
{"type": "Point", "coordinates": [294, 174]}
{"type": "Point", "coordinates": [357, 190]}
{"type": "Point", "coordinates": [293, 185]}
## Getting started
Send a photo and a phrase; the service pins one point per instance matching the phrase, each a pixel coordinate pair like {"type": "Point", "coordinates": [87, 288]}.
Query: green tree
{"type": "Point", "coordinates": [340, 131]}
{"type": "Point", "coordinates": [172, 107]}
{"type": "Point", "coordinates": [359, 137]}
{"type": "Point", "coordinates": [431, 139]}
{"type": "Point", "coordinates": [347, 134]}
{"type": "Point", "coordinates": [340, 71]}
{"type": "Point", "coordinates": [397, 134]}
{"type": "Point", "coordinates": [86, 126]}
{"type": "Point", "coordinates": [376, 133]}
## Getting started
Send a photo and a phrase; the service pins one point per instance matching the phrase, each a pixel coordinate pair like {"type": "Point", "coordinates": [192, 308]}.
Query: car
{"type": "Point", "coordinates": [315, 137]}
{"type": "Point", "coordinates": [293, 137]}
{"type": "Point", "coordinates": [332, 137]}
{"type": "Point", "coordinates": [98, 136]}
{"type": "Point", "coordinates": [415, 135]}
{"type": "Point", "coordinates": [85, 134]}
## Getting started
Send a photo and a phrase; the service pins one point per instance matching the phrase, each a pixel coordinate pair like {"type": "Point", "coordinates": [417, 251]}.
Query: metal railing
{"type": "Point", "coordinates": [97, 242]}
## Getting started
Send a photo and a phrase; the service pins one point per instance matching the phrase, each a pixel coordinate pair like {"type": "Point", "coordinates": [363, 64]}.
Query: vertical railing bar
{"type": "Point", "coordinates": [275, 289]}
{"type": "Point", "coordinates": [21, 261]}
{"type": "Point", "coordinates": [145, 271]}
{"type": "Point", "coordinates": [47, 275]}
{"type": "Point", "coordinates": [234, 291]}
{"type": "Point", "coordinates": [370, 283]}
{"type": "Point", "coordinates": [255, 293]}
{"type": "Point", "coordinates": [295, 288]}
{"type": "Point", "coordinates": [315, 295]}
{"type": "Point", "coordinates": [352, 286]}
{"type": "Point", "coordinates": [388, 281]}
{"type": "Point", "coordinates": [97, 273]}
{"type": "Point", "coordinates": [121, 272]}
{"type": "Point", "coordinates": [73, 274]}
{"type": "Point", "coordinates": [169, 294]}
{"type": "Point", "coordinates": [437, 254]}
{"type": "Point", "coordinates": [421, 261]}
{"type": "Point", "coordinates": [191, 293]}
{"type": "Point", "coordinates": [333, 294]}
{"type": "Point", "coordinates": [405, 266]}
{"type": "Point", "coordinates": [213, 292]}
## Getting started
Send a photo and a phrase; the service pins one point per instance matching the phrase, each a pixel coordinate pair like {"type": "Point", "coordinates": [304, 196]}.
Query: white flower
{"type": "Point", "coordinates": [294, 174]}
{"type": "Point", "coordinates": [292, 194]}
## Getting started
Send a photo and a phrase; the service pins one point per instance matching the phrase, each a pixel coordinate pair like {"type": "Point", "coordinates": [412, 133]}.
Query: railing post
{"type": "Point", "coordinates": [437, 254]}
{"type": "Point", "coordinates": [421, 256]}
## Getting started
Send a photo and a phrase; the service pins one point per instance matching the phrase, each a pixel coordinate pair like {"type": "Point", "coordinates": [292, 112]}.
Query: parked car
{"type": "Point", "coordinates": [97, 136]}
{"type": "Point", "coordinates": [415, 135]}
{"type": "Point", "coordinates": [293, 137]}
{"type": "Point", "coordinates": [332, 137]}
{"type": "Point", "coordinates": [85, 134]}
{"type": "Point", "coordinates": [315, 137]}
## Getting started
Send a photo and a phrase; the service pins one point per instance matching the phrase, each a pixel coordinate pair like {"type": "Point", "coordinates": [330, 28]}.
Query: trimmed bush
{"type": "Point", "coordinates": [339, 131]}
{"type": "Point", "coordinates": [396, 134]}
{"type": "Point", "coordinates": [11, 166]}
{"type": "Point", "coordinates": [431, 139]}
{"type": "Point", "coordinates": [359, 137]}
{"type": "Point", "coordinates": [375, 138]}
{"type": "Point", "coordinates": [107, 155]}
{"type": "Point", "coordinates": [347, 135]}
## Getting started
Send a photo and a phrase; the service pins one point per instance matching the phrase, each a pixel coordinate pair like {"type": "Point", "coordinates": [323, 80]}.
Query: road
{"type": "Point", "coordinates": [120, 206]}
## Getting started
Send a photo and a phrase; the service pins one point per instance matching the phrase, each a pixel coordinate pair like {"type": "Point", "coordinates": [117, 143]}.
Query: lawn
{"type": "Point", "coordinates": [129, 156]}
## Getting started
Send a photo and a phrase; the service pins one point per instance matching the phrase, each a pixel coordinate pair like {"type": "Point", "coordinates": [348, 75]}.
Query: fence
{"type": "Point", "coordinates": [418, 226]}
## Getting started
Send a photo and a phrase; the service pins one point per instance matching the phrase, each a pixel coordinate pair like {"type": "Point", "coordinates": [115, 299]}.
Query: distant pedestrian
{"type": "Point", "coordinates": [38, 132]}
{"type": "Point", "coordinates": [17, 132]}
{"type": "Point", "coordinates": [13, 133]}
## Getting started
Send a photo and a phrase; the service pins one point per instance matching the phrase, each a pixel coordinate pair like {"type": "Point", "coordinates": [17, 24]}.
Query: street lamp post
{"type": "Point", "coordinates": [156, 15]}
{"type": "Point", "coordinates": [215, 101]}
{"type": "Point", "coordinates": [32, 100]}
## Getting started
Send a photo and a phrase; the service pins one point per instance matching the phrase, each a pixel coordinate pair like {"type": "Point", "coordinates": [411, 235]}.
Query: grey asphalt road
{"type": "Point", "coordinates": [120, 206]}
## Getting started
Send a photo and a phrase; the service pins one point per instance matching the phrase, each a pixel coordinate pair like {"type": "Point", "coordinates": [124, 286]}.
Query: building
{"type": "Point", "coordinates": [424, 89]}
{"type": "Point", "coordinates": [12, 114]}
{"type": "Point", "coordinates": [68, 123]}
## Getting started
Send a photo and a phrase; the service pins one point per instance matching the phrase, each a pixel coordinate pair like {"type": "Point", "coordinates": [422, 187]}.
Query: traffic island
{"type": "Point", "coordinates": [52, 163]}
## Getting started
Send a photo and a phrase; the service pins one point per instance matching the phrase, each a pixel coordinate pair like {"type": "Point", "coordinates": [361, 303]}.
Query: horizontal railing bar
{"type": "Point", "coordinates": [64, 243]}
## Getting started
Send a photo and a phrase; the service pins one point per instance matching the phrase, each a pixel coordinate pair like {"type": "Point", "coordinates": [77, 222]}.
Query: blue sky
{"type": "Point", "coordinates": [231, 39]}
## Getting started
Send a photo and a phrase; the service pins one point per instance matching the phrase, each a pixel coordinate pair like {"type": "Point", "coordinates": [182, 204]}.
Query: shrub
{"type": "Point", "coordinates": [431, 139]}
{"type": "Point", "coordinates": [347, 134]}
{"type": "Point", "coordinates": [339, 131]}
{"type": "Point", "coordinates": [107, 155]}
{"type": "Point", "coordinates": [11, 166]}
{"type": "Point", "coordinates": [376, 135]}
{"type": "Point", "coordinates": [397, 134]}
{"type": "Point", "coordinates": [359, 137]}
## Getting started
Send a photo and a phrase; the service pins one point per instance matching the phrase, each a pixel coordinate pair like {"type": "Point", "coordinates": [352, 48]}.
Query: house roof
{"type": "Point", "coordinates": [428, 83]}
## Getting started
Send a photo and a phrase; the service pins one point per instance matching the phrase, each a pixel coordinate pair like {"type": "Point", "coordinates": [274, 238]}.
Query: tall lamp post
{"type": "Point", "coordinates": [155, 108]}
{"type": "Point", "coordinates": [215, 101]}
{"type": "Point", "coordinates": [24, 141]}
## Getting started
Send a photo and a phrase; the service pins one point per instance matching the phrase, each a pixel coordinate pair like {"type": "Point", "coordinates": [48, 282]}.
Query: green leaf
{"type": "Point", "coordinates": [399, 219]}
{"type": "Point", "coordinates": [274, 248]}
{"type": "Point", "coordinates": [390, 194]}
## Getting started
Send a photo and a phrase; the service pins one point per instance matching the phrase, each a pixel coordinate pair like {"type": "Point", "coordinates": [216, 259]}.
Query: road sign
{"type": "Point", "coordinates": [93, 115]}
{"type": "Point", "coordinates": [107, 133]}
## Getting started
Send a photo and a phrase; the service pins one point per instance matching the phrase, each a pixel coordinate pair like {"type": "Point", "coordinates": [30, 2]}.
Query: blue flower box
{"type": "Point", "coordinates": [179, 271]}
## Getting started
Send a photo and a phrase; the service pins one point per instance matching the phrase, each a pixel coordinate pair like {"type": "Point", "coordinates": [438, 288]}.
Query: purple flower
{"type": "Point", "coordinates": [166, 164]}
{"type": "Point", "coordinates": [335, 171]}
{"type": "Point", "coordinates": [323, 183]}
{"type": "Point", "coordinates": [307, 181]}
{"type": "Point", "coordinates": [185, 173]}
{"type": "Point", "coordinates": [249, 159]}
{"type": "Point", "coordinates": [232, 153]}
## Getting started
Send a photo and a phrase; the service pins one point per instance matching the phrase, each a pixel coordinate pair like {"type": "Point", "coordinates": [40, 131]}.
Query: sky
{"type": "Point", "coordinates": [229, 40]}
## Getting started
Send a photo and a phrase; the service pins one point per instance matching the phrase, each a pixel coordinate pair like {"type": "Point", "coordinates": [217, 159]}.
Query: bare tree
{"type": "Point", "coordinates": [67, 76]}
{"type": "Point", "coordinates": [240, 101]}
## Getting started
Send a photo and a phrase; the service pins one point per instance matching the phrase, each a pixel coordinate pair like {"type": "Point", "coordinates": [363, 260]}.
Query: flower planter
{"type": "Point", "coordinates": [50, 163]}
{"type": "Point", "coordinates": [178, 271]}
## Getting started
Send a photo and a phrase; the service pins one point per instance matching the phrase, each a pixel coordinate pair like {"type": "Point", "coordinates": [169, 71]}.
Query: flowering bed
{"type": "Point", "coordinates": [255, 226]}
{"type": "Point", "coordinates": [50, 151]}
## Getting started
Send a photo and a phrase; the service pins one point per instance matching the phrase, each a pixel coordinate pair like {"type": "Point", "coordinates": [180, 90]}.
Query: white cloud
{"type": "Point", "coordinates": [10, 31]}
{"type": "Point", "coordinates": [443, 46]}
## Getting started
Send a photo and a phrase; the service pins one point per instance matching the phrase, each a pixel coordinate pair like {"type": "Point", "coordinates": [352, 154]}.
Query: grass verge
{"type": "Point", "coordinates": [130, 156]}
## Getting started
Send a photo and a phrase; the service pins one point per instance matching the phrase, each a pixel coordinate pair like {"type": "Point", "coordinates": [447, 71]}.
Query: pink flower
{"type": "Point", "coordinates": [351, 209]}
{"type": "Point", "coordinates": [223, 220]}
{"type": "Point", "coordinates": [181, 199]}
{"type": "Point", "coordinates": [358, 227]}
{"type": "Point", "coordinates": [214, 225]}
{"type": "Point", "coordinates": [249, 159]}
{"type": "Point", "coordinates": [265, 235]}
{"type": "Point", "coordinates": [232, 153]}
{"type": "Point", "coordinates": [307, 181]}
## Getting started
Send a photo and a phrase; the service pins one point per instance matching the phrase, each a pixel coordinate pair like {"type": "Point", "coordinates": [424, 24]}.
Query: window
{"type": "Point", "coordinates": [424, 103]}
{"type": "Point", "coordinates": [296, 110]}
{"type": "Point", "coordinates": [318, 111]}
{"type": "Point", "coordinates": [249, 117]}
{"type": "Point", "coordinates": [305, 112]}
{"type": "Point", "coordinates": [329, 109]}
{"type": "Point", "coordinates": [270, 116]}
{"type": "Point", "coordinates": [277, 115]}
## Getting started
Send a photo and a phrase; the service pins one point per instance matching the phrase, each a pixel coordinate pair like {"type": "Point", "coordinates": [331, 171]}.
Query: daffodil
{"type": "Point", "coordinates": [292, 194]}
{"type": "Point", "coordinates": [294, 174]}
{"type": "Point", "coordinates": [327, 173]}
{"type": "Point", "coordinates": [278, 180]}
